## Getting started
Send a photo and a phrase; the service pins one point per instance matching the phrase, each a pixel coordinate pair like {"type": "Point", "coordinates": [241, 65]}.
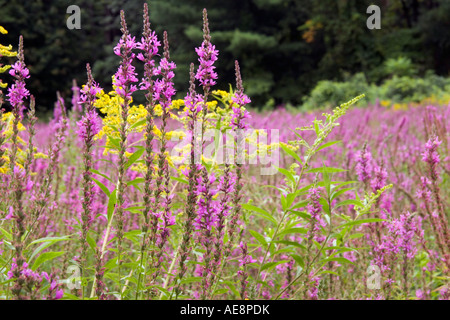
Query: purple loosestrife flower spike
{"type": "Point", "coordinates": [16, 94]}
{"type": "Point", "coordinates": [242, 273]}
{"type": "Point", "coordinates": [207, 56]}
{"type": "Point", "coordinates": [89, 125]}
{"type": "Point", "coordinates": [240, 99]}
{"type": "Point", "coordinates": [193, 104]}
{"type": "Point", "coordinates": [164, 91]}
{"type": "Point", "coordinates": [149, 45]}
{"type": "Point", "coordinates": [431, 157]}
{"type": "Point", "coordinates": [124, 79]}
{"type": "Point", "coordinates": [364, 165]}
{"type": "Point", "coordinates": [314, 208]}
{"type": "Point", "coordinates": [77, 107]}
{"type": "Point", "coordinates": [238, 184]}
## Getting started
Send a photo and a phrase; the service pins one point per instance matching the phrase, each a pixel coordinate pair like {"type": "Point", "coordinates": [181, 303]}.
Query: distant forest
{"type": "Point", "coordinates": [284, 46]}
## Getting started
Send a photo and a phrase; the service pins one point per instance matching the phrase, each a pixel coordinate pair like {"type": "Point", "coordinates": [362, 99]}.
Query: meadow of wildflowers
{"type": "Point", "coordinates": [167, 200]}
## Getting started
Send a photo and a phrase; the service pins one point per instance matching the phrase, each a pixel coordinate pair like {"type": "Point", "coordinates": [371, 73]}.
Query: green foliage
{"type": "Point", "coordinates": [331, 93]}
{"type": "Point", "coordinates": [398, 89]}
{"type": "Point", "coordinates": [407, 89]}
{"type": "Point", "coordinates": [400, 67]}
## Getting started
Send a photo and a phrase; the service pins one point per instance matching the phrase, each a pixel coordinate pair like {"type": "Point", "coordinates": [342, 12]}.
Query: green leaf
{"type": "Point", "coordinates": [232, 287]}
{"type": "Point", "coordinates": [50, 239]}
{"type": "Point", "coordinates": [326, 145]}
{"type": "Point", "coordinates": [291, 243]}
{"type": "Point", "coordinates": [356, 236]}
{"type": "Point", "coordinates": [135, 181]}
{"type": "Point", "coordinates": [340, 249]}
{"type": "Point", "coordinates": [191, 280]}
{"type": "Point", "coordinates": [349, 202]}
{"type": "Point", "coordinates": [316, 127]}
{"type": "Point", "coordinates": [91, 242]}
{"type": "Point", "coordinates": [6, 234]}
{"type": "Point", "coordinates": [300, 204]}
{"type": "Point", "coordinates": [40, 248]}
{"type": "Point", "coordinates": [354, 223]}
{"type": "Point", "coordinates": [293, 230]}
{"type": "Point", "coordinates": [111, 203]}
{"type": "Point", "coordinates": [287, 174]}
{"type": "Point", "coordinates": [325, 169]}
{"type": "Point", "coordinates": [135, 156]}
{"type": "Point", "coordinates": [258, 237]}
{"type": "Point", "coordinates": [261, 213]}
{"type": "Point", "coordinates": [180, 180]}
{"type": "Point", "coordinates": [271, 265]}
{"type": "Point", "coordinates": [100, 174]}
{"type": "Point", "coordinates": [340, 192]}
{"type": "Point", "coordinates": [299, 260]}
{"type": "Point", "coordinates": [114, 141]}
{"type": "Point", "coordinates": [138, 123]}
{"type": "Point", "coordinates": [291, 153]}
{"type": "Point", "coordinates": [302, 214]}
{"type": "Point", "coordinates": [102, 186]}
{"type": "Point", "coordinates": [47, 256]}
{"type": "Point", "coordinates": [338, 259]}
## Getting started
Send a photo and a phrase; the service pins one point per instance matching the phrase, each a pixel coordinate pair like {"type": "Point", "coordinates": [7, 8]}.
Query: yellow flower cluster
{"type": "Point", "coordinates": [8, 118]}
{"type": "Point", "coordinates": [5, 51]}
{"type": "Point", "coordinates": [110, 105]}
{"type": "Point", "coordinates": [431, 100]}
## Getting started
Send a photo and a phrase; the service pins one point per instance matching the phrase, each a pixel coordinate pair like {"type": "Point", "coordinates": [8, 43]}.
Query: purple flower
{"type": "Point", "coordinates": [237, 118]}
{"type": "Point", "coordinates": [207, 56]}
{"type": "Point", "coordinates": [431, 156]}
{"type": "Point", "coordinates": [364, 164]}
{"type": "Point", "coordinates": [126, 74]}
{"type": "Point", "coordinates": [164, 90]}
{"type": "Point", "coordinates": [92, 121]}
{"type": "Point", "coordinates": [19, 69]}
{"type": "Point", "coordinates": [314, 208]}
{"type": "Point", "coordinates": [17, 93]}
{"type": "Point", "coordinates": [239, 113]}
{"type": "Point", "coordinates": [379, 180]}
{"type": "Point", "coordinates": [89, 91]}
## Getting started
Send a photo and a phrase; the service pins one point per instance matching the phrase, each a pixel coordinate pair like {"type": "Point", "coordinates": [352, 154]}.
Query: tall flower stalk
{"type": "Point", "coordinates": [16, 95]}
{"type": "Point", "coordinates": [431, 157]}
{"type": "Point", "coordinates": [88, 127]}
{"type": "Point", "coordinates": [149, 45]}
{"type": "Point", "coordinates": [164, 91]}
{"type": "Point", "coordinates": [238, 124]}
{"type": "Point", "coordinates": [193, 105]}
{"type": "Point", "coordinates": [124, 79]}
{"type": "Point", "coordinates": [206, 76]}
